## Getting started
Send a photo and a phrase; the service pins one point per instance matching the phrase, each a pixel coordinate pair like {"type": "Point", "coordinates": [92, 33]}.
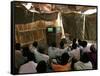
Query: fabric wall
{"type": "Point", "coordinates": [73, 24]}
{"type": "Point", "coordinates": [30, 27]}
{"type": "Point", "coordinates": [91, 27]}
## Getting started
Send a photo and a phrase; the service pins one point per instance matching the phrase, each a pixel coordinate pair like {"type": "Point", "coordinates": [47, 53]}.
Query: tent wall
{"type": "Point", "coordinates": [45, 16]}
{"type": "Point", "coordinates": [91, 27]}
{"type": "Point", "coordinates": [29, 32]}
{"type": "Point", "coordinates": [73, 24]}
{"type": "Point", "coordinates": [31, 27]}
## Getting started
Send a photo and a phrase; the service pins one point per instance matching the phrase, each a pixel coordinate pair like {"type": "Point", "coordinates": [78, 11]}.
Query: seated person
{"type": "Point", "coordinates": [63, 65]}
{"type": "Point", "coordinates": [84, 63]}
{"type": "Point", "coordinates": [41, 67]}
{"type": "Point", "coordinates": [62, 49]}
{"type": "Point", "coordinates": [85, 47]}
{"type": "Point", "coordinates": [19, 58]}
{"type": "Point", "coordinates": [52, 50]}
{"type": "Point", "coordinates": [33, 46]}
{"type": "Point", "coordinates": [93, 56]}
{"type": "Point", "coordinates": [75, 53]}
{"type": "Point", "coordinates": [29, 66]}
{"type": "Point", "coordinates": [74, 43]}
{"type": "Point", "coordinates": [40, 54]}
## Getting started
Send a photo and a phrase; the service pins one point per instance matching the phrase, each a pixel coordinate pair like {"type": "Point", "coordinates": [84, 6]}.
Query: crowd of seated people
{"type": "Point", "coordinates": [33, 59]}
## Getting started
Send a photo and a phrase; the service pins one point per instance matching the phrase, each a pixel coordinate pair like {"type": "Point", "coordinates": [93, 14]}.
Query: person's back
{"type": "Point", "coordinates": [61, 49]}
{"type": "Point", "coordinates": [33, 46]}
{"type": "Point", "coordinates": [85, 46]}
{"type": "Point", "coordinates": [29, 66]}
{"type": "Point", "coordinates": [63, 65]}
{"type": "Point", "coordinates": [83, 64]}
{"type": "Point", "coordinates": [40, 55]}
{"type": "Point", "coordinates": [75, 53]}
{"type": "Point", "coordinates": [86, 49]}
{"type": "Point", "coordinates": [52, 51]}
{"type": "Point", "coordinates": [93, 56]}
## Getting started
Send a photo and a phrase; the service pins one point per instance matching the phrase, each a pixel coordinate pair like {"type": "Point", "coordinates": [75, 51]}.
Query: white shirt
{"type": "Point", "coordinates": [39, 56]}
{"type": "Point", "coordinates": [82, 66]}
{"type": "Point", "coordinates": [86, 49]}
{"type": "Point", "coordinates": [32, 48]}
{"type": "Point", "coordinates": [75, 53]}
{"type": "Point", "coordinates": [29, 67]}
{"type": "Point", "coordinates": [52, 51]}
{"type": "Point", "coordinates": [61, 51]}
{"type": "Point", "coordinates": [19, 58]}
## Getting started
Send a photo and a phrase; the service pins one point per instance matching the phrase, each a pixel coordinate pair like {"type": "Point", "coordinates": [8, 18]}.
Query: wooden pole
{"type": "Point", "coordinates": [83, 36]}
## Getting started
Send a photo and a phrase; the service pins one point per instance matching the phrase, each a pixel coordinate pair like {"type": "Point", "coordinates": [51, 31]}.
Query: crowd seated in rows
{"type": "Point", "coordinates": [34, 59]}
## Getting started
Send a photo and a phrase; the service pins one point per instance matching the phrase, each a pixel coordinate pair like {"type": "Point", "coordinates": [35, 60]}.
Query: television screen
{"type": "Point", "coordinates": [50, 29]}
